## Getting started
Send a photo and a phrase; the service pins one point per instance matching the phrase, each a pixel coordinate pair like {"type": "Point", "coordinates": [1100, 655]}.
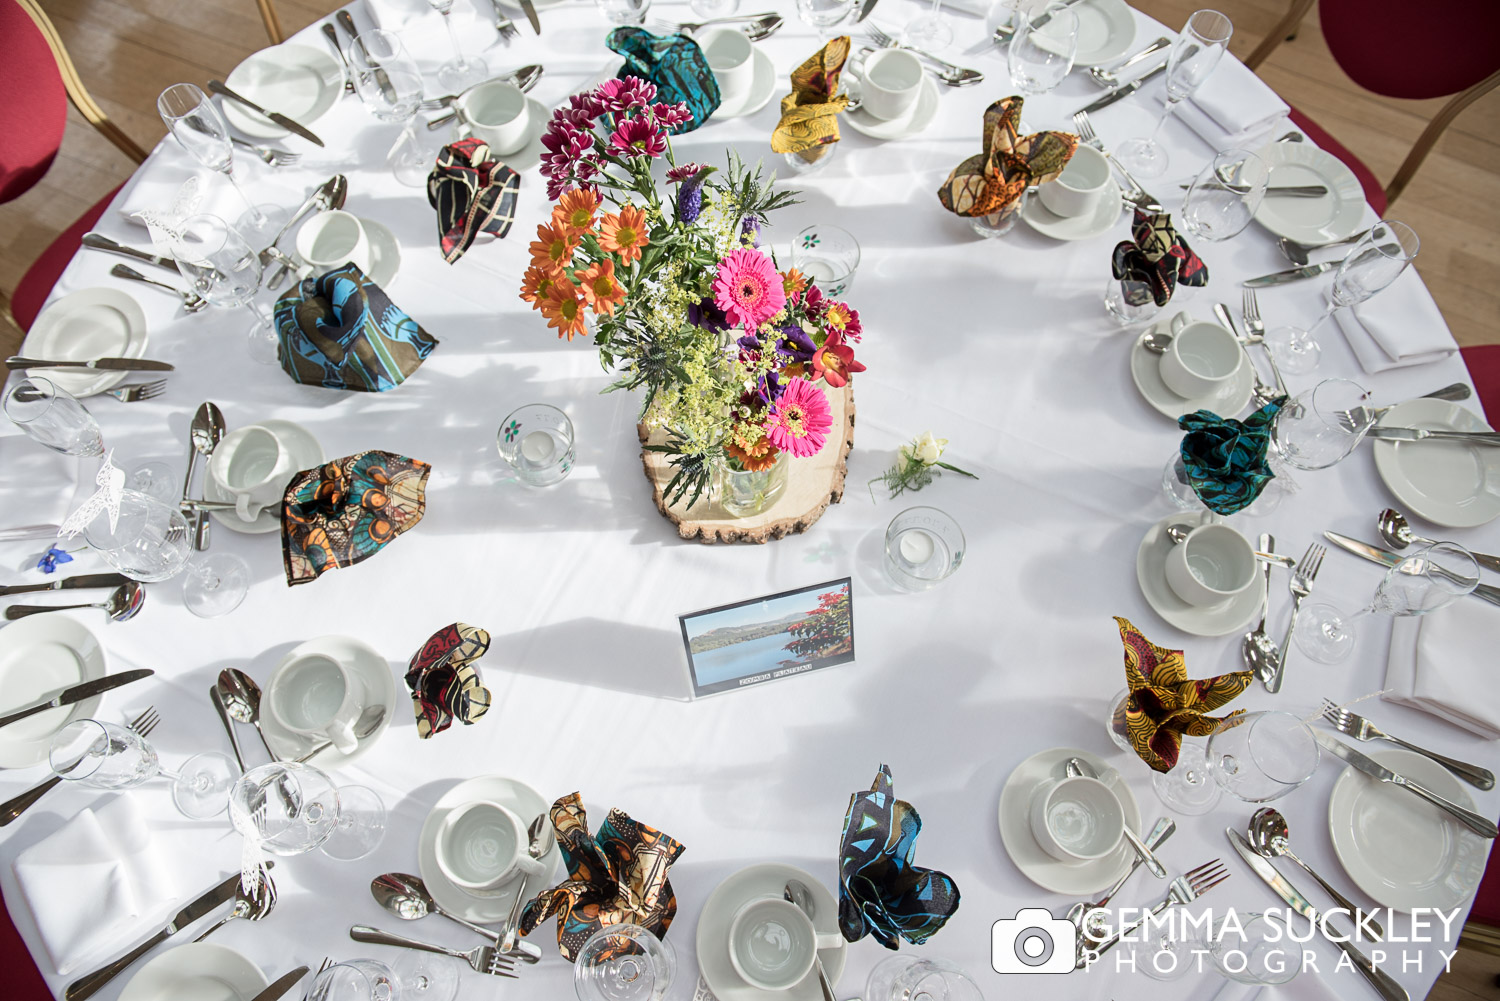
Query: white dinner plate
{"type": "Point", "coordinates": [1105, 30]}
{"type": "Point", "coordinates": [923, 111]}
{"type": "Point", "coordinates": [306, 453]}
{"type": "Point", "coordinates": [1087, 227]}
{"type": "Point", "coordinates": [1401, 850]}
{"type": "Point", "coordinates": [1145, 370]}
{"type": "Point", "coordinates": [1073, 878]}
{"type": "Point", "coordinates": [763, 879]}
{"type": "Point", "coordinates": [1334, 216]}
{"type": "Point", "coordinates": [1449, 483]}
{"type": "Point", "coordinates": [355, 656]}
{"type": "Point", "coordinates": [757, 95]}
{"type": "Point", "coordinates": [491, 907]}
{"type": "Point", "coordinates": [297, 81]}
{"type": "Point", "coordinates": [40, 655]}
{"type": "Point", "coordinates": [198, 971]}
{"type": "Point", "coordinates": [1229, 616]}
{"type": "Point", "coordinates": [89, 323]}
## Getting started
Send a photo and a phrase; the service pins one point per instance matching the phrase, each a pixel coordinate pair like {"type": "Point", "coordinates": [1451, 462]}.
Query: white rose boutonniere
{"type": "Point", "coordinates": [918, 461]}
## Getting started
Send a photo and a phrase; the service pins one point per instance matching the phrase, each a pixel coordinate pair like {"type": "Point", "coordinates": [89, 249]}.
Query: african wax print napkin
{"type": "Point", "coordinates": [1402, 327]}
{"type": "Point", "coordinates": [994, 180]}
{"type": "Point", "coordinates": [1157, 258]}
{"type": "Point", "coordinates": [1162, 704]}
{"type": "Point", "coordinates": [443, 678]}
{"type": "Point", "coordinates": [882, 892]}
{"type": "Point", "coordinates": [617, 876]}
{"type": "Point", "coordinates": [1226, 458]}
{"type": "Point", "coordinates": [675, 64]}
{"type": "Point", "coordinates": [1441, 664]}
{"type": "Point", "coordinates": [347, 510]}
{"type": "Point", "coordinates": [809, 114]}
{"type": "Point", "coordinates": [341, 331]}
{"type": "Point", "coordinates": [473, 193]}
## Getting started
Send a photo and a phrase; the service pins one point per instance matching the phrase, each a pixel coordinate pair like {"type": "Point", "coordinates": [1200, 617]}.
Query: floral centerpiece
{"type": "Point", "coordinates": [730, 350]}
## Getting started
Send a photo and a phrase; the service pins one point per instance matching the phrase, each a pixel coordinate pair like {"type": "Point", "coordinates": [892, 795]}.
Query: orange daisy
{"type": "Point", "coordinates": [792, 282]}
{"type": "Point", "coordinates": [534, 284]}
{"type": "Point", "coordinates": [575, 210]}
{"type": "Point", "coordinates": [624, 234]}
{"type": "Point", "coordinates": [755, 456]}
{"type": "Point", "coordinates": [563, 308]}
{"type": "Point", "coordinates": [553, 247]}
{"type": "Point", "coordinates": [601, 289]}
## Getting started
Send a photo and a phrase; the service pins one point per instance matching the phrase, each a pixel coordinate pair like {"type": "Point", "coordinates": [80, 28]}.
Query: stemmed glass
{"type": "Point", "coordinates": [196, 123]}
{"type": "Point", "coordinates": [390, 84]}
{"type": "Point", "coordinates": [53, 417]}
{"type": "Point", "coordinates": [623, 962]}
{"type": "Point", "coordinates": [461, 72]}
{"type": "Point", "coordinates": [1224, 196]}
{"type": "Point", "coordinates": [1041, 55]}
{"type": "Point", "coordinates": [306, 811]}
{"type": "Point", "coordinates": [1422, 582]}
{"type": "Point", "coordinates": [1262, 756]}
{"type": "Point", "coordinates": [906, 978]}
{"type": "Point", "coordinates": [930, 31]}
{"type": "Point", "coordinates": [108, 756]}
{"type": "Point", "coordinates": [1371, 264]}
{"type": "Point", "coordinates": [411, 978]}
{"type": "Point", "coordinates": [1322, 426]}
{"type": "Point", "coordinates": [823, 14]}
{"type": "Point", "coordinates": [1189, 788]}
{"type": "Point", "coordinates": [1196, 52]}
{"type": "Point", "coordinates": [221, 266]}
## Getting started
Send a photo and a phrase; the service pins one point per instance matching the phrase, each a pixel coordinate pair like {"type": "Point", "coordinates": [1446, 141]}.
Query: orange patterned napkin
{"type": "Point", "coordinates": [995, 180]}
{"type": "Point", "coordinates": [809, 114]}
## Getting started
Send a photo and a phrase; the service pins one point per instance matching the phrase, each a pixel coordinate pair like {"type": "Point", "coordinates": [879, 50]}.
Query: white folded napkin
{"type": "Point", "coordinates": [1438, 664]}
{"type": "Point", "coordinates": [1399, 327]}
{"type": "Point", "coordinates": [978, 8]}
{"type": "Point", "coordinates": [1233, 108]}
{"type": "Point", "coordinates": [46, 479]}
{"type": "Point", "coordinates": [158, 187]}
{"type": "Point", "coordinates": [95, 884]}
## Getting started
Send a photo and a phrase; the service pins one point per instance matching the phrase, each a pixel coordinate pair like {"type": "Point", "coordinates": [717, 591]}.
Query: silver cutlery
{"type": "Point", "coordinates": [1270, 836]}
{"type": "Point", "coordinates": [135, 392]}
{"type": "Point", "coordinates": [1357, 417]}
{"type": "Point", "coordinates": [328, 195]}
{"type": "Point", "coordinates": [953, 76]}
{"type": "Point", "coordinates": [283, 983]}
{"type": "Point", "coordinates": [482, 958]}
{"type": "Point", "coordinates": [1301, 586]}
{"type": "Point", "coordinates": [1484, 592]}
{"type": "Point", "coordinates": [503, 24]}
{"type": "Point", "coordinates": [1262, 392]}
{"type": "Point", "coordinates": [275, 117]}
{"type": "Point", "coordinates": [1120, 93]}
{"type": "Point", "coordinates": [13, 808]}
{"type": "Point", "coordinates": [1083, 913]}
{"type": "Point", "coordinates": [1077, 767]}
{"type": "Point", "coordinates": [272, 156]}
{"type": "Point", "coordinates": [23, 533]}
{"type": "Point", "coordinates": [234, 740]}
{"type": "Point", "coordinates": [1184, 890]}
{"type": "Point", "coordinates": [191, 301]}
{"type": "Point", "coordinates": [1297, 252]}
{"type": "Point", "coordinates": [98, 241]}
{"type": "Point", "coordinates": [529, 9]}
{"type": "Point", "coordinates": [691, 27]}
{"type": "Point", "coordinates": [797, 894]}
{"type": "Point", "coordinates": [1293, 275]}
{"type": "Point", "coordinates": [865, 10]}
{"type": "Point", "coordinates": [122, 604]}
{"type": "Point", "coordinates": [1178, 534]}
{"type": "Point", "coordinates": [204, 435]}
{"type": "Point", "coordinates": [68, 584]}
{"type": "Point", "coordinates": [100, 364]}
{"type": "Point", "coordinates": [1262, 867]}
{"type": "Point", "coordinates": [77, 693]}
{"type": "Point", "coordinates": [1281, 190]}
{"type": "Point", "coordinates": [251, 906]}
{"type": "Point", "coordinates": [1396, 533]}
{"type": "Point", "coordinates": [1255, 333]}
{"type": "Point", "coordinates": [1259, 652]}
{"type": "Point", "coordinates": [367, 723]}
{"type": "Point", "coordinates": [1111, 77]}
{"type": "Point", "coordinates": [241, 698]}
{"type": "Point", "coordinates": [1134, 193]}
{"type": "Point", "coordinates": [1361, 729]}
{"type": "Point", "coordinates": [522, 79]}
{"type": "Point", "coordinates": [330, 33]}
{"type": "Point", "coordinates": [1491, 438]}
{"type": "Point", "coordinates": [382, 78]}
{"type": "Point", "coordinates": [1005, 32]}
{"type": "Point", "coordinates": [1482, 826]}
{"type": "Point", "coordinates": [407, 897]}
{"type": "Point", "coordinates": [538, 835]}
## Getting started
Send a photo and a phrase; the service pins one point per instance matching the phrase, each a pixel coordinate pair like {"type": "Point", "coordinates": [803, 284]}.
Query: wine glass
{"type": "Point", "coordinates": [390, 84]}
{"type": "Point", "coordinates": [1042, 51]}
{"type": "Point", "coordinates": [1423, 582]}
{"type": "Point", "coordinates": [1196, 52]}
{"type": "Point", "coordinates": [1371, 264]}
{"type": "Point", "coordinates": [149, 541]}
{"type": "Point", "coordinates": [219, 263]}
{"type": "Point", "coordinates": [1261, 756]}
{"type": "Point", "coordinates": [1258, 951]}
{"type": "Point", "coordinates": [1189, 787]}
{"type": "Point", "coordinates": [52, 416]}
{"type": "Point", "coordinates": [823, 14]}
{"type": "Point", "coordinates": [108, 756]}
{"type": "Point", "coordinates": [907, 978]}
{"type": "Point", "coordinates": [196, 123]}
{"type": "Point", "coordinates": [1224, 196]}
{"type": "Point", "coordinates": [1320, 427]}
{"type": "Point", "coordinates": [623, 962]}
{"type": "Point", "coordinates": [411, 978]}
{"type": "Point", "coordinates": [930, 30]}
{"type": "Point", "coordinates": [307, 811]}
{"type": "Point", "coordinates": [461, 72]}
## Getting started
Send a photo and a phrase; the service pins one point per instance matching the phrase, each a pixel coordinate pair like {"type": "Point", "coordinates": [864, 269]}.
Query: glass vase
{"type": "Point", "coordinates": [1001, 222]}
{"type": "Point", "coordinates": [743, 493]}
{"type": "Point", "coordinates": [1129, 301]}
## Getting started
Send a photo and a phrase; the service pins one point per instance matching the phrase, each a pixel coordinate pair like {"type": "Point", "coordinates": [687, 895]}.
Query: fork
{"type": "Point", "coordinates": [1185, 889]}
{"type": "Point", "coordinates": [273, 156]}
{"type": "Point", "coordinates": [953, 76]}
{"type": "Point", "coordinates": [137, 391]}
{"type": "Point", "coordinates": [481, 958]}
{"type": "Point", "coordinates": [9, 811]}
{"type": "Point", "coordinates": [1255, 333]}
{"type": "Point", "coordinates": [1137, 194]}
{"type": "Point", "coordinates": [190, 300]}
{"type": "Point", "coordinates": [503, 24]}
{"type": "Point", "coordinates": [1302, 578]}
{"type": "Point", "coordinates": [1357, 417]}
{"type": "Point", "coordinates": [1356, 726]}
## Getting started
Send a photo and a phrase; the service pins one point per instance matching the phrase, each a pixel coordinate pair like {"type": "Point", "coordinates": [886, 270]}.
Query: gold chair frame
{"type": "Point", "coordinates": [271, 21]}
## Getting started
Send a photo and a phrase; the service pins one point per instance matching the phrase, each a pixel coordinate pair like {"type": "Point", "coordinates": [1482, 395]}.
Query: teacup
{"type": "Point", "coordinates": [889, 83]}
{"type": "Point", "coordinates": [318, 698]}
{"type": "Point", "coordinates": [1213, 564]}
{"type": "Point", "coordinates": [773, 944]}
{"type": "Point", "coordinates": [497, 112]}
{"type": "Point", "coordinates": [1077, 819]}
{"type": "Point", "coordinates": [482, 845]}
{"type": "Point", "coordinates": [732, 58]}
{"type": "Point", "coordinates": [251, 466]}
{"type": "Point", "coordinates": [1078, 189]}
{"type": "Point", "coordinates": [1201, 359]}
{"type": "Point", "coordinates": [332, 239]}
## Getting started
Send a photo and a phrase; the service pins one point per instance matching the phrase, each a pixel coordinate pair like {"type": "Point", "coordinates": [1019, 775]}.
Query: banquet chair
{"type": "Point", "coordinates": [1484, 371]}
{"type": "Point", "coordinates": [271, 21]}
{"type": "Point", "coordinates": [1452, 49]}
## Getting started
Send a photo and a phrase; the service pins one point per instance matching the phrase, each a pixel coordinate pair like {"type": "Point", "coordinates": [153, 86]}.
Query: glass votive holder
{"type": "Point", "coordinates": [827, 254]}
{"type": "Point", "coordinates": [999, 223]}
{"type": "Point", "coordinates": [625, 11]}
{"type": "Point", "coordinates": [1129, 301]}
{"type": "Point", "coordinates": [708, 9]}
{"type": "Point", "coordinates": [923, 547]}
{"type": "Point", "coordinates": [537, 441]}
{"type": "Point", "coordinates": [808, 160]}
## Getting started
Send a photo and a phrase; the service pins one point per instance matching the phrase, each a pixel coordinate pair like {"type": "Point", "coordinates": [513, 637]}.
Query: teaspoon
{"type": "Point", "coordinates": [408, 898]}
{"type": "Point", "coordinates": [1270, 837]}
{"type": "Point", "coordinates": [1397, 534]}
{"type": "Point", "coordinates": [123, 603]}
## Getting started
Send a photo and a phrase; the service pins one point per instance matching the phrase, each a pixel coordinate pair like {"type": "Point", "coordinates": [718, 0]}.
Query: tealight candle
{"type": "Point", "coordinates": [538, 446]}
{"type": "Point", "coordinates": [820, 271]}
{"type": "Point", "coordinates": [916, 546]}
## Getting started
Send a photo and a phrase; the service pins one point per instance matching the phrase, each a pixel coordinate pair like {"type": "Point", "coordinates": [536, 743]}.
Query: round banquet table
{"type": "Point", "coordinates": [1001, 346]}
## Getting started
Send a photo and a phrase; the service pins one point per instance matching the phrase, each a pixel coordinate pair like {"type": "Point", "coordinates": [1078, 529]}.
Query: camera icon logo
{"type": "Point", "coordinates": [1033, 942]}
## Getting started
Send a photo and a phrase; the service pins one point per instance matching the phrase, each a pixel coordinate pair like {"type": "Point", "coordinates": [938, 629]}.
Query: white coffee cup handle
{"type": "Point", "coordinates": [530, 866]}
{"type": "Point", "coordinates": [246, 508]}
{"type": "Point", "coordinates": [1182, 319]}
{"type": "Point", "coordinates": [829, 940]}
{"type": "Point", "coordinates": [341, 732]}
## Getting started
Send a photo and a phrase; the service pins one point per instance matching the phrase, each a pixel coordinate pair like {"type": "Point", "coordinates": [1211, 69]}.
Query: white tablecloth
{"type": "Point", "coordinates": [1002, 346]}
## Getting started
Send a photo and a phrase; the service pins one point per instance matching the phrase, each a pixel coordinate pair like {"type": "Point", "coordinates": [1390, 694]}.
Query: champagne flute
{"type": "Point", "coordinates": [390, 84]}
{"type": "Point", "coordinates": [461, 72]}
{"type": "Point", "coordinates": [219, 263]}
{"type": "Point", "coordinates": [196, 123]}
{"type": "Point", "coordinates": [1196, 52]}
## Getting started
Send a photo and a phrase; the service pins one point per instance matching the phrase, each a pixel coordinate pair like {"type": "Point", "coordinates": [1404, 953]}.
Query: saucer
{"type": "Point", "coordinates": [385, 254]}
{"type": "Point", "coordinates": [1442, 481]}
{"type": "Point", "coordinates": [40, 655]}
{"type": "Point", "coordinates": [306, 453]}
{"type": "Point", "coordinates": [923, 111]}
{"type": "Point", "coordinates": [492, 907]}
{"type": "Point", "coordinates": [89, 323]}
{"type": "Point", "coordinates": [1072, 878]}
{"type": "Point", "coordinates": [764, 879]}
{"type": "Point", "coordinates": [1145, 369]}
{"type": "Point", "coordinates": [356, 656]}
{"type": "Point", "coordinates": [1226, 617]}
{"type": "Point", "coordinates": [1106, 214]}
{"type": "Point", "coordinates": [529, 155]}
{"type": "Point", "coordinates": [200, 971]}
{"type": "Point", "coordinates": [758, 94]}
{"type": "Point", "coordinates": [298, 81]}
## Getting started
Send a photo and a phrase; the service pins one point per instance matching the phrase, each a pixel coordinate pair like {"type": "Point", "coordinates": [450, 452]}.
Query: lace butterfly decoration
{"type": "Point", "coordinates": [165, 225]}
{"type": "Point", "coordinates": [111, 483]}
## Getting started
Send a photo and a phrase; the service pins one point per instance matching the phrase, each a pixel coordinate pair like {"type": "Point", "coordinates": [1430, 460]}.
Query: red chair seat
{"type": "Point", "coordinates": [35, 109]}
{"type": "Point", "coordinates": [1484, 370]}
{"type": "Point", "coordinates": [44, 272]}
{"type": "Point", "coordinates": [22, 980]}
{"type": "Point", "coordinates": [1374, 190]}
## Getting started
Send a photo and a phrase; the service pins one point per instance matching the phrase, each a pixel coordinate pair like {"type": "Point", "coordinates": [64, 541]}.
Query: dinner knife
{"type": "Point", "coordinates": [530, 10]}
{"type": "Point", "coordinates": [98, 241]}
{"type": "Point", "coordinates": [78, 693]}
{"type": "Point", "coordinates": [217, 86]}
{"type": "Point", "coordinates": [83, 580]}
{"type": "Point", "coordinates": [1284, 190]}
{"type": "Point", "coordinates": [1120, 93]}
{"type": "Point", "coordinates": [1262, 867]}
{"type": "Point", "coordinates": [282, 985]}
{"type": "Point", "coordinates": [866, 10]}
{"type": "Point", "coordinates": [1386, 558]}
{"type": "Point", "coordinates": [1294, 275]}
{"type": "Point", "coordinates": [1482, 826]}
{"type": "Point", "coordinates": [1044, 18]}
{"type": "Point", "coordinates": [23, 533]}
{"type": "Point", "coordinates": [382, 78]}
{"type": "Point", "coordinates": [1422, 434]}
{"type": "Point", "coordinates": [103, 364]}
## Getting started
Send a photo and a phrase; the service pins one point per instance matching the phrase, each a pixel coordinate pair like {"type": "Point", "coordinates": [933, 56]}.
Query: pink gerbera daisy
{"type": "Point", "coordinates": [800, 420]}
{"type": "Point", "coordinates": [638, 137]}
{"type": "Point", "coordinates": [748, 289]}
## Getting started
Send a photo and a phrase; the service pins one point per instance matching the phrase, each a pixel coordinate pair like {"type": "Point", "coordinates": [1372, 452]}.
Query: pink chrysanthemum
{"type": "Point", "coordinates": [672, 116]}
{"type": "Point", "coordinates": [678, 174]}
{"type": "Point", "coordinates": [748, 289]}
{"type": "Point", "coordinates": [800, 421]}
{"type": "Point", "coordinates": [638, 137]}
{"type": "Point", "coordinates": [623, 93]}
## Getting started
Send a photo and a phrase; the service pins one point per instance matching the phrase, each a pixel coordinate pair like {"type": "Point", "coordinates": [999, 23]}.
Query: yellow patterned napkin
{"type": "Point", "coordinates": [995, 180]}
{"type": "Point", "coordinates": [809, 114]}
